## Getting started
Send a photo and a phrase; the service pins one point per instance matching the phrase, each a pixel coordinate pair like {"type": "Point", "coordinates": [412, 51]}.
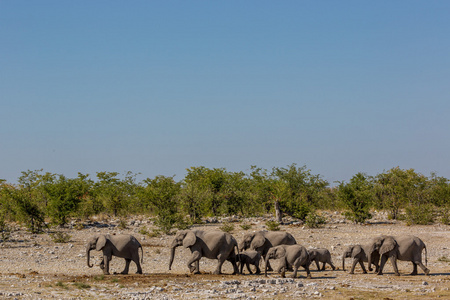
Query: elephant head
{"type": "Point", "coordinates": [96, 243]}
{"type": "Point", "coordinates": [252, 240]}
{"type": "Point", "coordinates": [351, 251]}
{"type": "Point", "coordinates": [245, 244]}
{"type": "Point", "coordinates": [184, 238]}
{"type": "Point", "coordinates": [382, 245]}
{"type": "Point", "coordinates": [274, 253]}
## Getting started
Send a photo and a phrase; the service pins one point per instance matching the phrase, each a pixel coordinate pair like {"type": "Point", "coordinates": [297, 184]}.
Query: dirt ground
{"type": "Point", "coordinates": [35, 267]}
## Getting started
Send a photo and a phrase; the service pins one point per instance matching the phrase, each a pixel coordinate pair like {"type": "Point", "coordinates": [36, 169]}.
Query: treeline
{"type": "Point", "coordinates": [41, 198]}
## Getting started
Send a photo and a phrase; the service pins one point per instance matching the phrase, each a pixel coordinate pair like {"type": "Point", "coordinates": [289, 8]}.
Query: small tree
{"type": "Point", "coordinates": [357, 196]}
{"type": "Point", "coordinates": [161, 194]}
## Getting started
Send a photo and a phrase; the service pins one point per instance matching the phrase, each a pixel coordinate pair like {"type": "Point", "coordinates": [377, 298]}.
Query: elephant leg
{"type": "Point", "coordinates": [331, 264]}
{"type": "Point", "coordinates": [382, 263]}
{"type": "Point", "coordinates": [248, 267]}
{"type": "Point", "coordinates": [355, 261]}
{"type": "Point", "coordinates": [127, 266]}
{"type": "Point", "coordinates": [317, 265]}
{"type": "Point", "coordinates": [241, 267]}
{"type": "Point", "coordinates": [232, 260]}
{"type": "Point", "coordinates": [102, 264]}
{"type": "Point", "coordinates": [138, 265]}
{"type": "Point", "coordinates": [106, 260]}
{"type": "Point", "coordinates": [196, 255]}
{"type": "Point", "coordinates": [308, 273]}
{"type": "Point", "coordinates": [424, 269]}
{"type": "Point", "coordinates": [282, 268]}
{"type": "Point", "coordinates": [362, 266]}
{"type": "Point", "coordinates": [323, 266]}
{"type": "Point", "coordinates": [220, 261]}
{"type": "Point", "coordinates": [258, 270]}
{"type": "Point", "coordinates": [414, 272]}
{"type": "Point", "coordinates": [294, 275]}
{"type": "Point", "coordinates": [393, 260]}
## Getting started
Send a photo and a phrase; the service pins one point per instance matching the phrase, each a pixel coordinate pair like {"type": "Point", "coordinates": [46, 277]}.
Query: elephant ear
{"type": "Point", "coordinates": [388, 245]}
{"type": "Point", "coordinates": [280, 252]}
{"type": "Point", "coordinates": [189, 239]}
{"type": "Point", "coordinates": [356, 250]}
{"type": "Point", "coordinates": [101, 242]}
{"type": "Point", "coordinates": [258, 241]}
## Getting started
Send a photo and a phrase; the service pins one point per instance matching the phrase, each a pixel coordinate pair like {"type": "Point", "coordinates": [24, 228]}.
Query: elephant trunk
{"type": "Point", "coordinates": [241, 246]}
{"type": "Point", "coordinates": [172, 256]}
{"type": "Point", "coordinates": [369, 261]}
{"type": "Point", "coordinates": [266, 262]}
{"type": "Point", "coordinates": [88, 250]}
{"type": "Point", "coordinates": [343, 261]}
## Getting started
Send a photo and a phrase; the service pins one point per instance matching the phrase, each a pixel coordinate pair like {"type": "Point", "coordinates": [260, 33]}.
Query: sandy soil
{"type": "Point", "coordinates": [35, 267]}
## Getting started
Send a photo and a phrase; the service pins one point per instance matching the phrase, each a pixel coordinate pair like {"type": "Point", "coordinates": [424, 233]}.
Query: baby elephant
{"type": "Point", "coordinates": [359, 255]}
{"type": "Point", "coordinates": [321, 255]}
{"type": "Point", "coordinates": [123, 245]}
{"type": "Point", "coordinates": [290, 256]}
{"type": "Point", "coordinates": [249, 257]}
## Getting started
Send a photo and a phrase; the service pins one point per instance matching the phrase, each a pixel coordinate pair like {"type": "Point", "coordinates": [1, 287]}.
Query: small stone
{"type": "Point", "coordinates": [424, 283]}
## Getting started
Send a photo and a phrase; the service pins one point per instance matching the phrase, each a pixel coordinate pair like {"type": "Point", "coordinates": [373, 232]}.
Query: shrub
{"type": "Point", "coordinates": [246, 226]}
{"type": "Point", "coordinates": [81, 285]}
{"type": "Point", "coordinates": [445, 216]}
{"type": "Point", "coordinates": [357, 196]}
{"type": "Point", "coordinates": [5, 230]}
{"type": "Point", "coordinates": [273, 225]}
{"type": "Point", "coordinates": [313, 220]}
{"type": "Point", "coordinates": [60, 237]}
{"type": "Point", "coordinates": [419, 214]}
{"type": "Point", "coordinates": [227, 227]}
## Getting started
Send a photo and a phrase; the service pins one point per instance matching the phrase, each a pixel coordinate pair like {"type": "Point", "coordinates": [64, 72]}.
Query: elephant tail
{"type": "Point", "coordinates": [426, 258]}
{"type": "Point", "coordinates": [142, 254]}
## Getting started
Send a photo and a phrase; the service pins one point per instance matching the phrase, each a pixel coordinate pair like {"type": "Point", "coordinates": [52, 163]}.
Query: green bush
{"type": "Point", "coordinates": [227, 227]}
{"type": "Point", "coordinates": [273, 225]}
{"type": "Point", "coordinates": [246, 226]}
{"type": "Point", "coordinates": [313, 220]}
{"type": "Point", "coordinates": [60, 237]}
{"type": "Point", "coordinates": [419, 214]}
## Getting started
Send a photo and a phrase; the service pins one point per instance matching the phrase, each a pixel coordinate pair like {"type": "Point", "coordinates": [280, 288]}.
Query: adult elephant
{"type": "Point", "coordinates": [210, 244]}
{"type": "Point", "coordinates": [262, 241]}
{"type": "Point", "coordinates": [407, 248]}
{"type": "Point", "coordinates": [124, 245]}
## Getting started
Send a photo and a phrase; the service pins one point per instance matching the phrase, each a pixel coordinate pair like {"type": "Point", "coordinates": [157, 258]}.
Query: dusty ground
{"type": "Point", "coordinates": [35, 267]}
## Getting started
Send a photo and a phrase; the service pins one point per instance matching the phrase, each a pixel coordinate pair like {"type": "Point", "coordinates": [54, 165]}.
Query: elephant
{"type": "Point", "coordinates": [262, 241]}
{"type": "Point", "coordinates": [124, 246]}
{"type": "Point", "coordinates": [359, 255]}
{"type": "Point", "coordinates": [406, 248]}
{"type": "Point", "coordinates": [249, 257]}
{"type": "Point", "coordinates": [210, 244]}
{"type": "Point", "coordinates": [321, 255]}
{"type": "Point", "coordinates": [291, 256]}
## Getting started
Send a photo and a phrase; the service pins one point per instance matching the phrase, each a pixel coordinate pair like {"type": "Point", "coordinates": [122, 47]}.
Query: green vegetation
{"type": "Point", "coordinates": [81, 285]}
{"type": "Point", "coordinates": [227, 227]}
{"type": "Point", "coordinates": [60, 237]}
{"type": "Point", "coordinates": [273, 225]}
{"type": "Point", "coordinates": [39, 199]}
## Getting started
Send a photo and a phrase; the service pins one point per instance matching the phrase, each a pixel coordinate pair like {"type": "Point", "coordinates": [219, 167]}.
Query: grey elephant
{"type": "Point", "coordinates": [210, 244]}
{"type": "Point", "coordinates": [125, 246]}
{"type": "Point", "coordinates": [321, 255]}
{"type": "Point", "coordinates": [262, 241]}
{"type": "Point", "coordinates": [290, 256]}
{"type": "Point", "coordinates": [359, 255]}
{"type": "Point", "coordinates": [247, 258]}
{"type": "Point", "coordinates": [406, 248]}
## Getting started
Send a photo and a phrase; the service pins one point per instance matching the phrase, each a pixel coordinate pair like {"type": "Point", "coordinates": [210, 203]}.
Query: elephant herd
{"type": "Point", "coordinates": [264, 245]}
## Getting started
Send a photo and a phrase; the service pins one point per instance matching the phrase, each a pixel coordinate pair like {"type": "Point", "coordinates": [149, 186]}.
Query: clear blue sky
{"type": "Point", "coordinates": [156, 87]}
